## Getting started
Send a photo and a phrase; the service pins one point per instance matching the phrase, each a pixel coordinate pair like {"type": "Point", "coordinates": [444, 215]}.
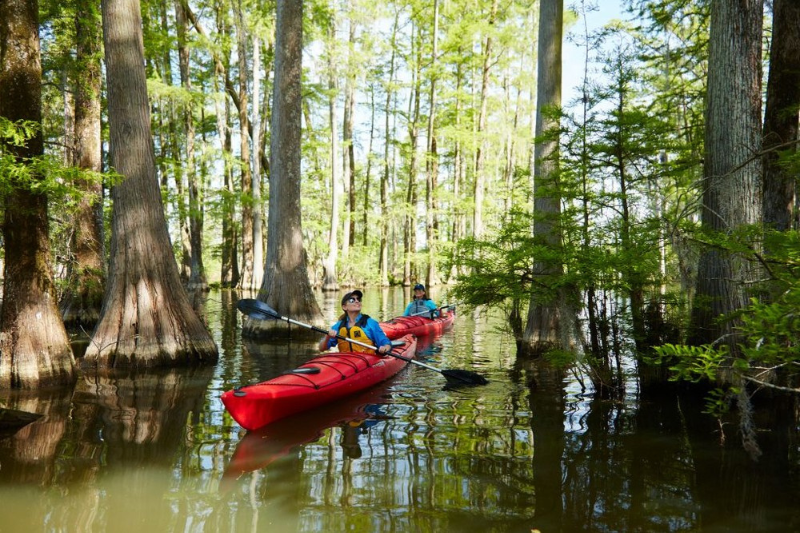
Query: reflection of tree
{"type": "Point", "coordinates": [30, 458]}
{"type": "Point", "coordinates": [622, 463]}
{"type": "Point", "coordinates": [545, 384]}
{"type": "Point", "coordinates": [29, 455]}
{"type": "Point", "coordinates": [128, 425]}
{"type": "Point", "coordinates": [732, 488]}
{"type": "Point", "coordinates": [143, 416]}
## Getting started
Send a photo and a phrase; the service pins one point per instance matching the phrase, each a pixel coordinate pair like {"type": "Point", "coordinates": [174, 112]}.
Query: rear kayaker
{"type": "Point", "coordinates": [325, 378]}
{"type": "Point", "coordinates": [419, 326]}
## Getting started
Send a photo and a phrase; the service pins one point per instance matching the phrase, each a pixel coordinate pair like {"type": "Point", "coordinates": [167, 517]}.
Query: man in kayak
{"type": "Point", "coordinates": [357, 326]}
{"type": "Point", "coordinates": [422, 305]}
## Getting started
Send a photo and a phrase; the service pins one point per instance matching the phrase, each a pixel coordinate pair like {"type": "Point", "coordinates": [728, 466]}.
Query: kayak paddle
{"type": "Point", "coordinates": [430, 312]}
{"type": "Point", "coordinates": [259, 310]}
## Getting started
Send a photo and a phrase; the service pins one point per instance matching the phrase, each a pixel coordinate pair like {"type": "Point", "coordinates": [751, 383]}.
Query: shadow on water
{"type": "Point", "coordinates": [530, 450]}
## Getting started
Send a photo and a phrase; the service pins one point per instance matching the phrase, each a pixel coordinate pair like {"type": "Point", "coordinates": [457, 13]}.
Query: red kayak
{"type": "Point", "coordinates": [420, 326]}
{"type": "Point", "coordinates": [261, 447]}
{"type": "Point", "coordinates": [321, 380]}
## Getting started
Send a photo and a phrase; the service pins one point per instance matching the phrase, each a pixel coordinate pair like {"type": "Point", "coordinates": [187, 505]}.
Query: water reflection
{"type": "Point", "coordinates": [533, 449]}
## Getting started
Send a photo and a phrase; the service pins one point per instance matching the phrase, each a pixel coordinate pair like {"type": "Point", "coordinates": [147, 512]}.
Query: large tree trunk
{"type": "Point", "coordinates": [780, 116]}
{"type": "Point", "coordinates": [286, 286]}
{"type": "Point", "coordinates": [543, 329]}
{"type": "Point", "coordinates": [81, 302]}
{"type": "Point", "coordinates": [731, 196]}
{"type": "Point", "coordinates": [34, 347]}
{"type": "Point", "coordinates": [147, 318]}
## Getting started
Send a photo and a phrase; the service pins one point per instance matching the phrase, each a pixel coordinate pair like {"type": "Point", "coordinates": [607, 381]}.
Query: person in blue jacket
{"type": "Point", "coordinates": [355, 325]}
{"type": "Point", "coordinates": [421, 305]}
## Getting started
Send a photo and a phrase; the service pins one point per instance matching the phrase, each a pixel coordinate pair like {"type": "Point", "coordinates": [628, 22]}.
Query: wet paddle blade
{"type": "Point", "coordinates": [256, 309]}
{"type": "Point", "coordinates": [464, 377]}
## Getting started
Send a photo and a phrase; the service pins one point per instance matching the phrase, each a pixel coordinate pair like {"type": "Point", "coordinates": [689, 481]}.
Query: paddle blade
{"type": "Point", "coordinates": [257, 309]}
{"type": "Point", "coordinates": [464, 377]}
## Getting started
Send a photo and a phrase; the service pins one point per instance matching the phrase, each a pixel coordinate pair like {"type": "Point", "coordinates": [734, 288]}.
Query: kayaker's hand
{"type": "Point", "coordinates": [385, 348]}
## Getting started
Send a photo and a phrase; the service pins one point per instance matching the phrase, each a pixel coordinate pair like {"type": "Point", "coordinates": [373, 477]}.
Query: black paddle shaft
{"type": "Point", "coordinates": [258, 309]}
{"type": "Point", "coordinates": [430, 312]}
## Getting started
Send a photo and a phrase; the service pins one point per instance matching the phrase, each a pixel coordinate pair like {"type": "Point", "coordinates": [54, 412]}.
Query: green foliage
{"type": "Point", "coordinates": [43, 174]}
{"type": "Point", "coordinates": [692, 363]}
{"type": "Point", "coordinates": [16, 133]}
{"type": "Point", "coordinates": [768, 329]}
{"type": "Point", "coordinates": [500, 267]}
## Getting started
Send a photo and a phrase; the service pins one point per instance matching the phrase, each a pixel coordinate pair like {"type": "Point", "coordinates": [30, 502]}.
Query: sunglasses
{"type": "Point", "coordinates": [353, 300]}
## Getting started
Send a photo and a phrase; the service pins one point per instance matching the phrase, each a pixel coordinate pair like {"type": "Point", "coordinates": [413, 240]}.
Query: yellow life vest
{"type": "Point", "coordinates": [357, 334]}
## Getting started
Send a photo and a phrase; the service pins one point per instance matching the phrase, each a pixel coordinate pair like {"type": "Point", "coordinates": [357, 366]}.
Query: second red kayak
{"type": "Point", "coordinates": [418, 325]}
{"type": "Point", "coordinates": [321, 380]}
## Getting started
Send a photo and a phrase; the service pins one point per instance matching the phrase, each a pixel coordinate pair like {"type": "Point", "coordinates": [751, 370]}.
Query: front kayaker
{"type": "Point", "coordinates": [357, 326]}
{"type": "Point", "coordinates": [422, 305]}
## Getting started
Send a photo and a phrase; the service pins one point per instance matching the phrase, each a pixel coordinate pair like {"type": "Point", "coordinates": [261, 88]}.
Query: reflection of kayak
{"type": "Point", "coordinates": [259, 448]}
{"type": "Point", "coordinates": [420, 326]}
{"type": "Point", "coordinates": [321, 380]}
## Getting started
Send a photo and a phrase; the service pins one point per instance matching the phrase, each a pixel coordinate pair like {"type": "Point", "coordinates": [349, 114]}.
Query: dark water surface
{"type": "Point", "coordinates": [531, 450]}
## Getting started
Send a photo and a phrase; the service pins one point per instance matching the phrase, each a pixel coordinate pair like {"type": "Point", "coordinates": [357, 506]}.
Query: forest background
{"type": "Point", "coordinates": [662, 207]}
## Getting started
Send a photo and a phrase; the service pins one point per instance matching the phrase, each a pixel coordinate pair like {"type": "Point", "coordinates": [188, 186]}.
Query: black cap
{"type": "Point", "coordinates": [419, 287]}
{"type": "Point", "coordinates": [352, 293]}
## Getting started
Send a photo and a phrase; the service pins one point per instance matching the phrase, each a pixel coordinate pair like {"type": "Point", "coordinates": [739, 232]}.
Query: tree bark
{"type": "Point", "coordinates": [34, 347]}
{"type": "Point", "coordinates": [81, 302]}
{"type": "Point", "coordinates": [147, 318]}
{"type": "Point", "coordinates": [781, 116]}
{"type": "Point", "coordinates": [543, 329]}
{"type": "Point", "coordinates": [286, 285]}
{"type": "Point", "coordinates": [731, 196]}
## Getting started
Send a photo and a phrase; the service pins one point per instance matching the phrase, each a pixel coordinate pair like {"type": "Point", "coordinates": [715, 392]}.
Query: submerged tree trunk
{"type": "Point", "coordinates": [731, 196]}
{"type": "Point", "coordinates": [34, 347]}
{"type": "Point", "coordinates": [147, 318]}
{"type": "Point", "coordinates": [286, 285]}
{"type": "Point", "coordinates": [544, 326]}
{"type": "Point", "coordinates": [81, 302]}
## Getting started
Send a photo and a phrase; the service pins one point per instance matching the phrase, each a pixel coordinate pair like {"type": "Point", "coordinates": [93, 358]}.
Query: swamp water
{"type": "Point", "coordinates": [530, 450]}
